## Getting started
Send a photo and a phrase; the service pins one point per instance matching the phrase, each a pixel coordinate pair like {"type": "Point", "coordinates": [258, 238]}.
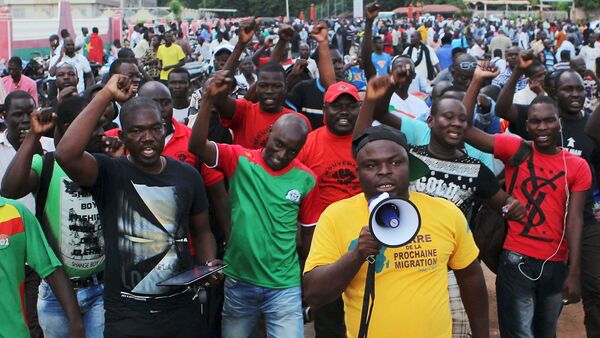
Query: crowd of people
{"type": "Point", "coordinates": [113, 183]}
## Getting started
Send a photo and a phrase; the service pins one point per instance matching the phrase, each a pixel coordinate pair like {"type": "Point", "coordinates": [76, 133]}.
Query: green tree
{"type": "Point", "coordinates": [588, 4]}
{"type": "Point", "coordinates": [176, 8]}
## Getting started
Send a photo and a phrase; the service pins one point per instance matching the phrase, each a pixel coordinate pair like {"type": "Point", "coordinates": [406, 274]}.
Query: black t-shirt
{"type": "Point", "coordinates": [458, 180]}
{"type": "Point", "coordinates": [307, 98]}
{"type": "Point", "coordinates": [575, 141]}
{"type": "Point", "coordinates": [146, 225]}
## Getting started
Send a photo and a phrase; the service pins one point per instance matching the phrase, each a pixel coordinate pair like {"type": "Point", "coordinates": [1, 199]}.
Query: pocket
{"type": "Point", "coordinates": [44, 291]}
{"type": "Point", "coordinates": [231, 283]}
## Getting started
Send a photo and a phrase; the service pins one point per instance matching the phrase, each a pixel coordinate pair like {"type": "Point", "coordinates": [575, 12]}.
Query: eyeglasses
{"type": "Point", "coordinates": [467, 65]}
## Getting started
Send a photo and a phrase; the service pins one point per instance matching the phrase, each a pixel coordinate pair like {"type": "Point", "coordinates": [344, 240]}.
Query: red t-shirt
{"type": "Point", "coordinates": [388, 48]}
{"type": "Point", "coordinates": [330, 157]}
{"type": "Point", "coordinates": [177, 149]}
{"type": "Point", "coordinates": [542, 192]}
{"type": "Point", "coordinates": [250, 124]}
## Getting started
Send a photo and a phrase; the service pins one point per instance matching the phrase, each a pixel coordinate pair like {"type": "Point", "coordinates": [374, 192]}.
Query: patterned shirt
{"type": "Point", "coordinates": [503, 77]}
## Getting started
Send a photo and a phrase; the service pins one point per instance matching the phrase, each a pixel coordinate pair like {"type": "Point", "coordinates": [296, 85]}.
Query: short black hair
{"type": "Point", "coordinates": [125, 53]}
{"type": "Point", "coordinates": [16, 95]}
{"type": "Point", "coordinates": [116, 64]}
{"type": "Point", "coordinates": [64, 33]}
{"type": "Point", "coordinates": [95, 30]}
{"type": "Point", "coordinates": [377, 38]}
{"type": "Point", "coordinates": [565, 55]}
{"type": "Point", "coordinates": [272, 67]}
{"type": "Point", "coordinates": [447, 39]}
{"type": "Point", "coordinates": [436, 105]}
{"type": "Point", "coordinates": [134, 104]}
{"type": "Point", "coordinates": [53, 37]}
{"type": "Point", "coordinates": [68, 109]}
{"type": "Point", "coordinates": [180, 70]}
{"type": "Point", "coordinates": [498, 53]}
{"type": "Point", "coordinates": [456, 51]}
{"type": "Point", "coordinates": [544, 100]}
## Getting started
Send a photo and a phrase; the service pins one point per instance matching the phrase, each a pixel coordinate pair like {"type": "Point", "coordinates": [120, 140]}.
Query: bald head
{"type": "Point", "coordinates": [291, 123]}
{"type": "Point", "coordinates": [154, 89]}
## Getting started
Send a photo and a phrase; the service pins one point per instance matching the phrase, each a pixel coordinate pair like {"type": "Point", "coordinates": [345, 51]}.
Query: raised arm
{"type": "Point", "coordinates": [325, 64]}
{"type": "Point", "coordinates": [199, 143]}
{"type": "Point", "coordinates": [70, 153]}
{"type": "Point", "coordinates": [592, 127]}
{"type": "Point", "coordinates": [504, 105]}
{"type": "Point", "coordinates": [286, 33]}
{"type": "Point", "coordinates": [268, 43]}
{"type": "Point", "coordinates": [379, 92]}
{"type": "Point", "coordinates": [475, 136]}
{"type": "Point", "coordinates": [247, 29]}
{"type": "Point", "coordinates": [19, 180]}
{"type": "Point", "coordinates": [371, 12]}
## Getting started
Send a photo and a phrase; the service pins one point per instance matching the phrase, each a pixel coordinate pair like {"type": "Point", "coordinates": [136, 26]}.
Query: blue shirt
{"type": "Point", "coordinates": [382, 63]}
{"type": "Point", "coordinates": [444, 54]}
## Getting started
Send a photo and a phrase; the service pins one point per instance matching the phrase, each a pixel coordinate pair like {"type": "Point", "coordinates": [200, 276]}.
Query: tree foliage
{"type": "Point", "coordinates": [588, 4]}
{"type": "Point", "coordinates": [176, 8]}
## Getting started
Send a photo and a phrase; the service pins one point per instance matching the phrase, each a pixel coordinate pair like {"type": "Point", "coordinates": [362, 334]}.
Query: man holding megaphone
{"type": "Point", "coordinates": [410, 272]}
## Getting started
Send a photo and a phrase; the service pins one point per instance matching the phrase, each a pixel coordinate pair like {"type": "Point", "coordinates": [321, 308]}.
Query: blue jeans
{"type": "Point", "coordinates": [528, 309]}
{"type": "Point", "coordinates": [53, 320]}
{"type": "Point", "coordinates": [244, 303]}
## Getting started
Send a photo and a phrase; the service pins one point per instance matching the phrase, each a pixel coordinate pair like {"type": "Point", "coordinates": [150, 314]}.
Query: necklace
{"type": "Point", "coordinates": [163, 163]}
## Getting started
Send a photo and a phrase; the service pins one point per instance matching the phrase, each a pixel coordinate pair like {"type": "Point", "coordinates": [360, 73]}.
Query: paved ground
{"type": "Point", "coordinates": [570, 323]}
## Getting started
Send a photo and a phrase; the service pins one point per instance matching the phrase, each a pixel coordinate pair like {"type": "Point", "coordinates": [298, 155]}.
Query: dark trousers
{"type": "Point", "coordinates": [329, 320]}
{"type": "Point", "coordinates": [590, 278]}
{"type": "Point", "coordinates": [32, 283]}
{"type": "Point", "coordinates": [179, 322]}
{"type": "Point", "coordinates": [526, 308]}
{"type": "Point", "coordinates": [52, 90]}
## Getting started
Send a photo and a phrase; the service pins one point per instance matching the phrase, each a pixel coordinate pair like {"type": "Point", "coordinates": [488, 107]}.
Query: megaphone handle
{"type": "Point", "coordinates": [371, 259]}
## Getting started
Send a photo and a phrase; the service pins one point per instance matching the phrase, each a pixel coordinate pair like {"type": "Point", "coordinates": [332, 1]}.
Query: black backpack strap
{"type": "Point", "coordinates": [519, 157]}
{"type": "Point", "coordinates": [43, 186]}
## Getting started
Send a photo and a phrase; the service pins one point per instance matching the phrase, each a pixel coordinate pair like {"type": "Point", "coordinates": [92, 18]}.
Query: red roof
{"type": "Point", "coordinates": [429, 9]}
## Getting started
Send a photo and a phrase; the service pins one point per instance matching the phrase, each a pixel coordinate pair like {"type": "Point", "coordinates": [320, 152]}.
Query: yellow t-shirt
{"type": "Point", "coordinates": [169, 56]}
{"type": "Point", "coordinates": [423, 31]}
{"type": "Point", "coordinates": [411, 282]}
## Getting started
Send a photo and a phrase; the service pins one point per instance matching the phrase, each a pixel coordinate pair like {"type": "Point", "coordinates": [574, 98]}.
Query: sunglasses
{"type": "Point", "coordinates": [467, 65]}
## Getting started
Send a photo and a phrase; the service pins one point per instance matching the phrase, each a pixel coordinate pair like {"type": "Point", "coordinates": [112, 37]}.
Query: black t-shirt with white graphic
{"type": "Point", "coordinates": [146, 221]}
{"type": "Point", "coordinates": [575, 141]}
{"type": "Point", "coordinates": [307, 98]}
{"type": "Point", "coordinates": [458, 180]}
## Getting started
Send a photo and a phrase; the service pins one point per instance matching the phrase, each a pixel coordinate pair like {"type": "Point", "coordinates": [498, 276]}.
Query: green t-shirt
{"type": "Point", "coordinates": [21, 241]}
{"type": "Point", "coordinates": [74, 223]}
{"type": "Point", "coordinates": [266, 207]}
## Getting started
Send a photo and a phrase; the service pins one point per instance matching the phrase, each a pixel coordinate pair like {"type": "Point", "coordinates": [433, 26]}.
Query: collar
{"type": "Point", "coordinates": [3, 139]}
{"type": "Point", "coordinates": [178, 129]}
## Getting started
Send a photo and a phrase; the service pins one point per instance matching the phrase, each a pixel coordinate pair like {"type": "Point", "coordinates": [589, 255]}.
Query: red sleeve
{"type": "Point", "coordinates": [311, 208]}
{"type": "Point", "coordinates": [211, 176]}
{"type": "Point", "coordinates": [582, 180]}
{"type": "Point", "coordinates": [242, 107]}
{"type": "Point", "coordinates": [505, 146]}
{"type": "Point", "coordinates": [112, 132]}
{"type": "Point", "coordinates": [227, 157]}
{"type": "Point", "coordinates": [263, 60]}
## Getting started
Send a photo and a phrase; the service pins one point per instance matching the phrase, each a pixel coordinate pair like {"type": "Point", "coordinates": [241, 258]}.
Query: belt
{"type": "Point", "coordinates": [86, 282]}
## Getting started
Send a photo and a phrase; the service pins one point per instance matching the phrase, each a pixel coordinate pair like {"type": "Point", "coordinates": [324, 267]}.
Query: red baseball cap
{"type": "Point", "coordinates": [339, 88]}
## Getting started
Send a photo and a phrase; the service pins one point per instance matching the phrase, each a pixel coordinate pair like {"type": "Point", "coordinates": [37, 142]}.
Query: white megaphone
{"type": "Point", "coordinates": [394, 222]}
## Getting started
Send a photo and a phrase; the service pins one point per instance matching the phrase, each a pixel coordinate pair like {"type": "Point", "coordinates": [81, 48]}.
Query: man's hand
{"type": "Point", "coordinates": [216, 277]}
{"type": "Point", "coordinates": [286, 32]}
{"type": "Point", "coordinates": [526, 59]}
{"type": "Point", "coordinates": [112, 146]}
{"type": "Point", "coordinates": [572, 290]}
{"type": "Point", "coordinates": [42, 121]}
{"type": "Point", "coordinates": [485, 71]}
{"type": "Point", "coordinates": [120, 88]}
{"type": "Point", "coordinates": [367, 244]}
{"type": "Point", "coordinates": [378, 87]}
{"type": "Point", "coordinates": [76, 331]}
{"type": "Point", "coordinates": [268, 42]}
{"type": "Point", "coordinates": [372, 11]}
{"type": "Point", "coordinates": [513, 209]}
{"type": "Point", "coordinates": [219, 85]}
{"type": "Point", "coordinates": [66, 92]}
{"type": "Point", "coordinates": [299, 67]}
{"type": "Point", "coordinates": [537, 87]}
{"type": "Point", "coordinates": [320, 33]}
{"type": "Point", "coordinates": [247, 29]}
{"type": "Point", "coordinates": [484, 102]}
